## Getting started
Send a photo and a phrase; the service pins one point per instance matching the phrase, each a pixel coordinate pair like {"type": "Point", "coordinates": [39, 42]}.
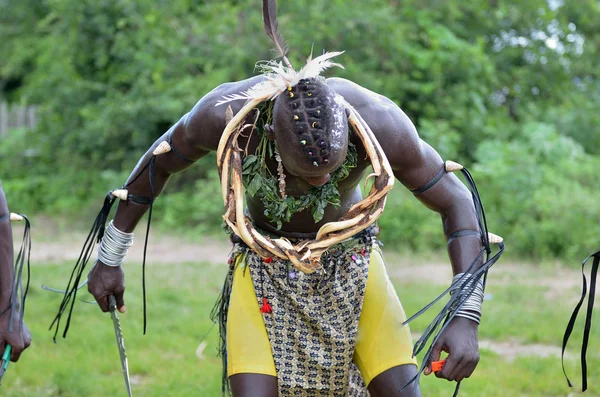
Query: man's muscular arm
{"type": "Point", "coordinates": [107, 280]}
{"type": "Point", "coordinates": [19, 338]}
{"type": "Point", "coordinates": [193, 136]}
{"type": "Point", "coordinates": [415, 163]}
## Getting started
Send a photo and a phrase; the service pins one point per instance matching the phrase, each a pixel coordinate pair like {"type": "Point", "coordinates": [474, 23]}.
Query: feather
{"type": "Point", "coordinates": [279, 77]}
{"type": "Point", "coordinates": [267, 89]}
{"type": "Point", "coordinates": [314, 67]}
{"type": "Point", "coordinates": [272, 29]}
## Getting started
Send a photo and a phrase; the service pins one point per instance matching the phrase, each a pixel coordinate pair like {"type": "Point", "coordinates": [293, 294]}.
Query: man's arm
{"type": "Point", "coordinates": [191, 138]}
{"type": "Point", "coordinates": [415, 163]}
{"type": "Point", "coordinates": [104, 280]}
{"type": "Point", "coordinates": [19, 338]}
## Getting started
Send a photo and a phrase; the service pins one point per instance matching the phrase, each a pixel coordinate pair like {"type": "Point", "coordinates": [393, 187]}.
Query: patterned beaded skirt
{"type": "Point", "coordinates": [311, 319]}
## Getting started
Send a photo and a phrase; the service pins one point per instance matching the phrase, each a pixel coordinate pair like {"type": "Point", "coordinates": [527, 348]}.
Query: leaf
{"type": "Point", "coordinates": [255, 185]}
{"type": "Point", "coordinates": [318, 211]}
{"type": "Point", "coordinates": [250, 163]}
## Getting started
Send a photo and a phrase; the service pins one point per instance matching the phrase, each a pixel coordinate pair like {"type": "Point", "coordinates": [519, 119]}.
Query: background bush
{"type": "Point", "coordinates": [505, 87]}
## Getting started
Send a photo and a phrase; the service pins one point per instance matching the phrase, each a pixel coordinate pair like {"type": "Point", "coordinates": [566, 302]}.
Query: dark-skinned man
{"type": "Point", "coordinates": [307, 308]}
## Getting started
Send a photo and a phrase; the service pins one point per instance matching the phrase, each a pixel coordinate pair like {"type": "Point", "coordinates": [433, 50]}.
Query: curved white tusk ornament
{"type": "Point", "coordinates": [494, 239]}
{"type": "Point", "coordinates": [15, 217]}
{"type": "Point", "coordinates": [120, 194]}
{"type": "Point", "coordinates": [452, 166]}
{"type": "Point", "coordinates": [163, 148]}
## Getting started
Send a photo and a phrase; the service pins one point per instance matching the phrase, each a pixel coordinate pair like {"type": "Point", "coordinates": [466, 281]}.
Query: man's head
{"type": "Point", "coordinates": [311, 130]}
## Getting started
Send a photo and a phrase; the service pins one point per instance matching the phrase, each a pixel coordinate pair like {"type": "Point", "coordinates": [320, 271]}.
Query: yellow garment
{"type": "Point", "coordinates": [382, 341]}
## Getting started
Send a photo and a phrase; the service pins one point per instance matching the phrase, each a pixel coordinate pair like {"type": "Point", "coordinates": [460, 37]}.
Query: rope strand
{"type": "Point", "coordinates": [19, 293]}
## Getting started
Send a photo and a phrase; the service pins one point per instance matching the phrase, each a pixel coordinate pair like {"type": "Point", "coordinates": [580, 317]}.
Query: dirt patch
{"type": "Point", "coordinates": [557, 281]}
{"type": "Point", "coordinates": [512, 349]}
{"type": "Point", "coordinates": [66, 247]}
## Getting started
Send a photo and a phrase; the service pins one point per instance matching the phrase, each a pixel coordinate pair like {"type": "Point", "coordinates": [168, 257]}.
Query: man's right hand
{"type": "Point", "coordinates": [19, 338]}
{"type": "Point", "coordinates": [106, 280]}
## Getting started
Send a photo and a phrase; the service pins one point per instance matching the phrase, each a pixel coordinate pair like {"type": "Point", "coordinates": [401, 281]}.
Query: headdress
{"type": "Point", "coordinates": [304, 255]}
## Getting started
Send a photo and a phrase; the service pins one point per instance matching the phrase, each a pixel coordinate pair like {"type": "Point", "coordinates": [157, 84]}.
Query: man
{"type": "Point", "coordinates": [12, 330]}
{"type": "Point", "coordinates": [289, 332]}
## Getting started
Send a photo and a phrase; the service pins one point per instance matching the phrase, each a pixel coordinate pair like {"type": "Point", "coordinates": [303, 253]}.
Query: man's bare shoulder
{"type": "Point", "coordinates": [391, 126]}
{"type": "Point", "coordinates": [358, 96]}
{"type": "Point", "coordinates": [205, 123]}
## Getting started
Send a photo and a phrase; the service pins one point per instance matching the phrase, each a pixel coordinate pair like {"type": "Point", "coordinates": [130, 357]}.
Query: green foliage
{"type": "Point", "coordinates": [541, 191]}
{"type": "Point", "coordinates": [197, 209]}
{"type": "Point", "coordinates": [486, 83]}
{"type": "Point", "coordinates": [407, 224]}
{"type": "Point", "coordinates": [259, 182]}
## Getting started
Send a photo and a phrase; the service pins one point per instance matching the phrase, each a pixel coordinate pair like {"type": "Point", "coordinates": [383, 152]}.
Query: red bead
{"type": "Point", "coordinates": [265, 308]}
{"type": "Point", "coordinates": [268, 260]}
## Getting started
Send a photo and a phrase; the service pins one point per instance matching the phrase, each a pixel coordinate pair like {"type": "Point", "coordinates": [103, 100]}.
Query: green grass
{"type": "Point", "coordinates": [180, 297]}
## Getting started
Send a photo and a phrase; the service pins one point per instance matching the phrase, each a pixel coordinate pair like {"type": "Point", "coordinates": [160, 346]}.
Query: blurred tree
{"type": "Point", "coordinates": [111, 76]}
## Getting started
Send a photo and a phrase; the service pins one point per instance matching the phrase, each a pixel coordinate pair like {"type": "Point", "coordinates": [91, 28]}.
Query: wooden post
{"type": "Point", "coordinates": [31, 122]}
{"type": "Point", "coordinates": [21, 116]}
{"type": "Point", "coordinates": [3, 119]}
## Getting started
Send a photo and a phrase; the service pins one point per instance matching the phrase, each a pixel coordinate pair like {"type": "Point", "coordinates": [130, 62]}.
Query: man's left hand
{"type": "Point", "coordinates": [459, 340]}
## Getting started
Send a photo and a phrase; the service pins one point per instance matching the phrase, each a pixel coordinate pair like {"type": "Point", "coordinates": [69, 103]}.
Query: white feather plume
{"type": "Point", "coordinates": [314, 67]}
{"type": "Point", "coordinates": [280, 77]}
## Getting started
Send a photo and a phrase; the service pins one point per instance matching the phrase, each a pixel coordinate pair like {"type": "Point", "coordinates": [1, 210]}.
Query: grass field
{"type": "Point", "coordinates": [528, 308]}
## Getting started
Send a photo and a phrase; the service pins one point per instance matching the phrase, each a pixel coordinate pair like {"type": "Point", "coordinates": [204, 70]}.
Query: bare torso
{"type": "Point", "coordinates": [372, 106]}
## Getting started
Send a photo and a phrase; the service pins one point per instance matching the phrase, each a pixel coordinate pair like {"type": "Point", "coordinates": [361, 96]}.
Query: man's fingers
{"type": "Point", "coordinates": [16, 353]}
{"type": "Point", "coordinates": [470, 368]}
{"type": "Point", "coordinates": [436, 352]}
{"type": "Point", "coordinates": [19, 340]}
{"type": "Point", "coordinates": [449, 369]}
{"type": "Point", "coordinates": [457, 369]}
{"type": "Point", "coordinates": [103, 303]}
{"type": "Point", "coordinates": [17, 347]}
{"type": "Point", "coordinates": [460, 370]}
{"type": "Point", "coordinates": [120, 301]}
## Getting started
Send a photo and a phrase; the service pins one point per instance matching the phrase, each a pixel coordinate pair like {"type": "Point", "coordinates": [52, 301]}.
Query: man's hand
{"type": "Point", "coordinates": [19, 338]}
{"type": "Point", "coordinates": [459, 340]}
{"type": "Point", "coordinates": [104, 281]}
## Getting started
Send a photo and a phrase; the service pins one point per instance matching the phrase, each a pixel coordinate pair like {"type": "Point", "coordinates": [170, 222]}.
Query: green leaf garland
{"type": "Point", "coordinates": [260, 183]}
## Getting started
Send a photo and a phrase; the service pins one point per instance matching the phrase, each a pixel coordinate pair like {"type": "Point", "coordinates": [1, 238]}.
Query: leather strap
{"type": "Point", "coordinates": [588, 319]}
{"type": "Point", "coordinates": [139, 199]}
{"type": "Point", "coordinates": [431, 183]}
{"type": "Point", "coordinates": [177, 152]}
{"type": "Point", "coordinates": [462, 233]}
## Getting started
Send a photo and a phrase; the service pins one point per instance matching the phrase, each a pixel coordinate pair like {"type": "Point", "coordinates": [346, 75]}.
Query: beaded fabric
{"type": "Point", "coordinates": [312, 319]}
